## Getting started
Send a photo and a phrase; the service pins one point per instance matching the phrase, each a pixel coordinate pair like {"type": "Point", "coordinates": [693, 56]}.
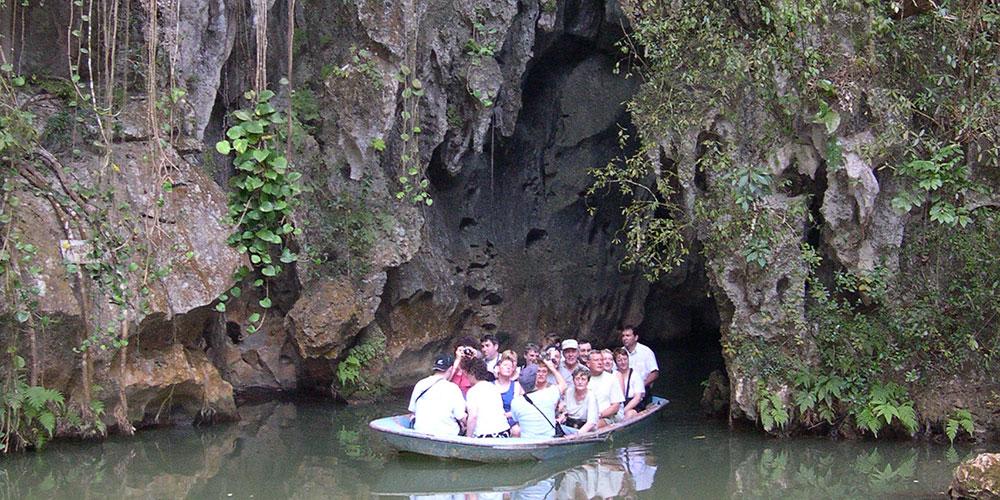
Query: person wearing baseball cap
{"type": "Point", "coordinates": [570, 349]}
{"type": "Point", "coordinates": [437, 404]}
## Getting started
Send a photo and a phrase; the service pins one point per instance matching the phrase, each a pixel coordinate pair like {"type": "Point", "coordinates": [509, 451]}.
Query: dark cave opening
{"type": "Point", "coordinates": [681, 324]}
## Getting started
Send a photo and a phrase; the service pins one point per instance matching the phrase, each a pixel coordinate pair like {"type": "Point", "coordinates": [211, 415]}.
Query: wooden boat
{"type": "Point", "coordinates": [397, 432]}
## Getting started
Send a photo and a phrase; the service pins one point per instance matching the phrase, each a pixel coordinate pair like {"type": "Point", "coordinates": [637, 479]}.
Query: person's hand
{"type": "Point", "coordinates": [548, 364]}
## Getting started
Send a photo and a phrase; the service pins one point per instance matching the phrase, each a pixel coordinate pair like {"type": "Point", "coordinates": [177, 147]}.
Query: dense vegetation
{"type": "Point", "coordinates": [726, 84]}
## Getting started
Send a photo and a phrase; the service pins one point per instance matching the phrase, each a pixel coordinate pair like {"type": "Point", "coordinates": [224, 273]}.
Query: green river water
{"type": "Point", "coordinates": [313, 449]}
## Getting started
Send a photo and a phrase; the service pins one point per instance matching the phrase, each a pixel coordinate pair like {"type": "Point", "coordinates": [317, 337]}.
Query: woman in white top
{"type": "Point", "coordinates": [581, 405]}
{"type": "Point", "coordinates": [632, 386]}
{"type": "Point", "coordinates": [484, 404]}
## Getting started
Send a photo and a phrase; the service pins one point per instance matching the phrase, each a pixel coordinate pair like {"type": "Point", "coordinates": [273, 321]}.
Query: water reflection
{"type": "Point", "coordinates": [615, 473]}
{"type": "Point", "coordinates": [283, 450]}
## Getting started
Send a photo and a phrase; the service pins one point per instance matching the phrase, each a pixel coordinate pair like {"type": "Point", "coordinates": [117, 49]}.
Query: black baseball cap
{"type": "Point", "coordinates": [443, 362]}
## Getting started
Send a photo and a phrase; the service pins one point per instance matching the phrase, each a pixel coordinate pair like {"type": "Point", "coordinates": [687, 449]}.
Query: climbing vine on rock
{"type": "Point", "coordinates": [910, 89]}
{"type": "Point", "coordinates": [264, 193]}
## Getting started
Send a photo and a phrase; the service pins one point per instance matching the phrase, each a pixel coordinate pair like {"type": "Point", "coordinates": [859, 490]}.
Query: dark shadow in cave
{"type": "Point", "coordinates": [681, 325]}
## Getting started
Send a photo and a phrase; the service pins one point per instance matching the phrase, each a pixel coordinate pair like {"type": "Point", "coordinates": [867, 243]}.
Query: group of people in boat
{"type": "Point", "coordinates": [562, 388]}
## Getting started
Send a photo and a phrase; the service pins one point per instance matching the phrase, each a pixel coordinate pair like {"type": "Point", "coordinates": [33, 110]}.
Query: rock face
{"type": "Point", "coordinates": [517, 102]}
{"type": "Point", "coordinates": [504, 106]}
{"type": "Point", "coordinates": [180, 231]}
{"type": "Point", "coordinates": [977, 478]}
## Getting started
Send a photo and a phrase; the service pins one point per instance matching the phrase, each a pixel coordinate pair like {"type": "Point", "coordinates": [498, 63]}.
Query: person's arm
{"type": "Point", "coordinates": [591, 424]}
{"type": "Point", "coordinates": [654, 371]}
{"type": "Point", "coordinates": [610, 410]}
{"type": "Point", "coordinates": [653, 375]}
{"type": "Point", "coordinates": [449, 375]}
{"type": "Point", "coordinates": [632, 403]}
{"type": "Point", "coordinates": [560, 381]}
{"type": "Point", "coordinates": [617, 396]}
{"type": "Point", "coordinates": [472, 411]}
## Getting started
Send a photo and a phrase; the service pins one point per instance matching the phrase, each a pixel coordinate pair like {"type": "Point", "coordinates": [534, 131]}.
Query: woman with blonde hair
{"type": "Point", "coordinates": [506, 383]}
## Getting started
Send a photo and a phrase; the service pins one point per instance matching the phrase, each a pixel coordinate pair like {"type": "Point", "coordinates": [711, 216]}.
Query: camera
{"type": "Point", "coordinates": [468, 352]}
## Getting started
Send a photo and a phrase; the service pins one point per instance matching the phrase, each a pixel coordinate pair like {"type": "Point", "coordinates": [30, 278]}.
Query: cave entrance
{"type": "Point", "coordinates": [681, 325]}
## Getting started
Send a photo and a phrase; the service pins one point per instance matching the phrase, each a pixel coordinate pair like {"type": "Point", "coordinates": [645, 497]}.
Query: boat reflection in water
{"type": "Point", "coordinates": [617, 473]}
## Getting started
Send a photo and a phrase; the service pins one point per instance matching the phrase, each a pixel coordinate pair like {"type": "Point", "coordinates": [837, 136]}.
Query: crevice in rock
{"type": "Point", "coordinates": [234, 332]}
{"type": "Point", "coordinates": [467, 222]}
{"type": "Point", "coordinates": [535, 235]}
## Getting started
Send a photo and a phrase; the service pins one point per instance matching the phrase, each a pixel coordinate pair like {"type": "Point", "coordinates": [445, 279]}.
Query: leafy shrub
{"type": "Point", "coordinates": [27, 413]}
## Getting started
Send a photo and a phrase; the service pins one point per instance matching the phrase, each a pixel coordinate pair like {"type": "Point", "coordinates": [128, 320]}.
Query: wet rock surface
{"type": "Point", "coordinates": [977, 478]}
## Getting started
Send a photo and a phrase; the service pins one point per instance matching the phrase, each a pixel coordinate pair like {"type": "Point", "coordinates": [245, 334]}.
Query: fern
{"type": "Point", "coordinates": [961, 419]}
{"type": "Point", "coordinates": [886, 403]}
{"type": "Point", "coordinates": [771, 408]}
{"type": "Point", "coordinates": [28, 413]}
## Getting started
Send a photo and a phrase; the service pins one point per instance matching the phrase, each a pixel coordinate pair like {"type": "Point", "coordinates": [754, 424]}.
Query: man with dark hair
{"type": "Point", "coordinates": [584, 352]}
{"type": "Point", "coordinates": [640, 358]}
{"type": "Point", "coordinates": [436, 403]}
{"type": "Point", "coordinates": [531, 353]}
{"type": "Point", "coordinates": [491, 351]}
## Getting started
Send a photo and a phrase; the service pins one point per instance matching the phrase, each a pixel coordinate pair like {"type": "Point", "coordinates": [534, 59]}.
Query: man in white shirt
{"type": "Point", "coordinates": [584, 350]}
{"type": "Point", "coordinates": [570, 361]}
{"type": "Point", "coordinates": [436, 403]}
{"type": "Point", "coordinates": [491, 352]}
{"type": "Point", "coordinates": [640, 358]}
{"type": "Point", "coordinates": [607, 389]}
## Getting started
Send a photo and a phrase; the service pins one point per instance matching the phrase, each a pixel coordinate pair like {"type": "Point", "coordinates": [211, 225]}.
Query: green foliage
{"type": "Point", "coordinates": [453, 117]}
{"type": "Point", "coordinates": [771, 409]}
{"type": "Point", "coordinates": [345, 228]}
{"type": "Point", "coordinates": [482, 43]}
{"type": "Point", "coordinates": [945, 180]}
{"type": "Point", "coordinates": [483, 97]}
{"type": "Point", "coordinates": [816, 396]}
{"type": "Point", "coordinates": [960, 419]}
{"type": "Point", "coordinates": [17, 126]}
{"type": "Point", "coordinates": [350, 370]}
{"type": "Point", "coordinates": [305, 108]}
{"type": "Point", "coordinates": [264, 192]}
{"type": "Point", "coordinates": [27, 413]}
{"type": "Point", "coordinates": [653, 229]}
{"type": "Point", "coordinates": [413, 186]}
{"type": "Point", "coordinates": [884, 404]}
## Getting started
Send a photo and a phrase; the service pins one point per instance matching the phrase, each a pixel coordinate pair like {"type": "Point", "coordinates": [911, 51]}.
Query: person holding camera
{"type": "Point", "coordinates": [465, 349]}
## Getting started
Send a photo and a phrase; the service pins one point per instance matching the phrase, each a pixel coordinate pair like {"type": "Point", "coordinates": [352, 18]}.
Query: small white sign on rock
{"type": "Point", "coordinates": [76, 251]}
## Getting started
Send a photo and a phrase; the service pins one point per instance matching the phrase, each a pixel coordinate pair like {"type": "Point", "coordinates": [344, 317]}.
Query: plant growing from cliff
{"type": "Point", "coordinates": [652, 233]}
{"type": "Point", "coordinates": [883, 405]}
{"type": "Point", "coordinates": [771, 409]}
{"type": "Point", "coordinates": [818, 395]}
{"type": "Point", "coordinates": [27, 412]}
{"type": "Point", "coordinates": [350, 369]}
{"type": "Point", "coordinates": [264, 192]}
{"type": "Point", "coordinates": [944, 180]}
{"type": "Point", "coordinates": [348, 231]}
{"type": "Point", "coordinates": [481, 44]}
{"type": "Point", "coordinates": [959, 419]}
{"type": "Point", "coordinates": [413, 186]}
